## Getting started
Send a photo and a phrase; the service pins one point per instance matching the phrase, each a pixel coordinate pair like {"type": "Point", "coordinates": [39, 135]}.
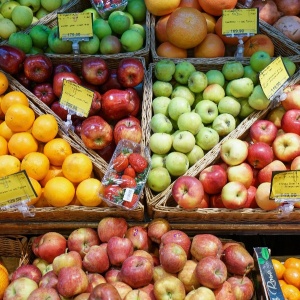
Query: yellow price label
{"type": "Point", "coordinates": [15, 188]}
{"type": "Point", "coordinates": [76, 98]}
{"type": "Point", "coordinates": [286, 185]}
{"type": "Point", "coordinates": [241, 21]}
{"type": "Point", "coordinates": [273, 77]}
{"type": "Point", "coordinates": [75, 25]}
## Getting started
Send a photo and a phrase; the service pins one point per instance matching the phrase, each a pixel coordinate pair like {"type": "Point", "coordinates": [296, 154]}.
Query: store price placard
{"type": "Point", "coordinates": [15, 188]}
{"type": "Point", "coordinates": [75, 25]}
{"type": "Point", "coordinates": [76, 98]}
{"type": "Point", "coordinates": [243, 21]}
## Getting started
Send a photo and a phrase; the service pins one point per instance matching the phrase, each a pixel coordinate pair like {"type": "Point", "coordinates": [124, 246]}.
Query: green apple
{"type": "Point", "coordinates": [290, 65]}
{"type": "Point", "coordinates": [41, 13]}
{"type": "Point", "coordinates": [194, 155]}
{"type": "Point", "coordinates": [7, 27]}
{"type": "Point", "coordinates": [131, 40]}
{"type": "Point", "coordinates": [246, 109]}
{"type": "Point", "coordinates": [101, 28]}
{"type": "Point", "coordinates": [190, 121]}
{"type": "Point", "coordinates": [51, 5]}
{"type": "Point", "coordinates": [250, 73]}
{"type": "Point", "coordinates": [184, 141]}
{"type": "Point", "coordinates": [139, 28]}
{"type": "Point", "coordinates": [183, 71]}
{"type": "Point", "coordinates": [35, 50]}
{"type": "Point", "coordinates": [223, 124]}
{"type": "Point", "coordinates": [34, 20]}
{"type": "Point", "coordinates": [130, 17]}
{"type": "Point", "coordinates": [63, 2]}
{"type": "Point", "coordinates": [197, 81]}
{"type": "Point", "coordinates": [213, 92]}
{"type": "Point", "coordinates": [198, 98]}
{"type": "Point", "coordinates": [164, 70]}
{"type": "Point", "coordinates": [157, 160]}
{"type": "Point", "coordinates": [207, 138]}
{"type": "Point", "coordinates": [7, 9]}
{"type": "Point", "coordinates": [39, 35]}
{"type": "Point", "coordinates": [20, 40]}
{"type": "Point", "coordinates": [161, 123]}
{"type": "Point", "coordinates": [119, 23]}
{"type": "Point", "coordinates": [178, 106]}
{"type": "Point", "coordinates": [1, 17]}
{"type": "Point", "coordinates": [258, 99]}
{"type": "Point", "coordinates": [241, 87]}
{"type": "Point", "coordinates": [2, 2]}
{"type": "Point", "coordinates": [160, 142]}
{"type": "Point", "coordinates": [177, 163]}
{"type": "Point", "coordinates": [185, 92]}
{"type": "Point", "coordinates": [158, 179]}
{"type": "Point", "coordinates": [137, 9]}
{"type": "Point", "coordinates": [91, 46]}
{"type": "Point", "coordinates": [25, 12]}
{"type": "Point", "coordinates": [232, 70]}
{"type": "Point", "coordinates": [215, 76]}
{"type": "Point", "coordinates": [160, 105]}
{"type": "Point", "coordinates": [34, 5]}
{"type": "Point", "coordinates": [229, 105]}
{"type": "Point", "coordinates": [56, 44]}
{"type": "Point", "coordinates": [207, 110]}
{"type": "Point", "coordinates": [162, 89]}
{"type": "Point", "coordinates": [259, 60]}
{"type": "Point", "coordinates": [93, 11]}
{"type": "Point", "coordinates": [110, 44]}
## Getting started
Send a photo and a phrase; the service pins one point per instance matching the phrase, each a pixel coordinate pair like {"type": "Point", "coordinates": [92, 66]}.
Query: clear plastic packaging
{"type": "Point", "coordinates": [126, 175]}
{"type": "Point", "coordinates": [106, 7]}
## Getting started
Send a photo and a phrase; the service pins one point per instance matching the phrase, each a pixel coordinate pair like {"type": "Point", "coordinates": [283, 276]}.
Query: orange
{"type": "Point", "coordinates": [186, 27]}
{"type": "Point", "coordinates": [77, 167]}
{"type": "Point", "coordinates": [3, 83]}
{"type": "Point", "coordinates": [3, 146]}
{"type": "Point", "coordinates": [166, 49]}
{"type": "Point", "coordinates": [9, 165]}
{"type": "Point", "coordinates": [160, 8]}
{"type": "Point", "coordinates": [291, 275]}
{"type": "Point", "coordinates": [258, 42]}
{"type": "Point", "coordinates": [281, 283]}
{"type": "Point", "coordinates": [290, 292]}
{"type": "Point", "coordinates": [22, 143]}
{"type": "Point", "coordinates": [1, 112]}
{"type": "Point", "coordinates": [212, 46]}
{"type": "Point", "coordinates": [278, 267]}
{"type": "Point", "coordinates": [292, 262]}
{"type": "Point", "coordinates": [36, 165]}
{"type": "Point", "coordinates": [190, 3]}
{"type": "Point", "coordinates": [13, 97]}
{"type": "Point", "coordinates": [160, 28]}
{"type": "Point", "coordinates": [38, 189]}
{"type": "Point", "coordinates": [45, 128]}
{"type": "Point", "coordinates": [4, 281]}
{"type": "Point", "coordinates": [5, 131]}
{"type": "Point", "coordinates": [19, 117]}
{"type": "Point", "coordinates": [76, 202]}
{"type": "Point", "coordinates": [215, 8]}
{"type": "Point", "coordinates": [42, 201]}
{"type": "Point", "coordinates": [52, 172]}
{"type": "Point", "coordinates": [88, 192]}
{"type": "Point", "coordinates": [211, 22]}
{"type": "Point", "coordinates": [59, 191]}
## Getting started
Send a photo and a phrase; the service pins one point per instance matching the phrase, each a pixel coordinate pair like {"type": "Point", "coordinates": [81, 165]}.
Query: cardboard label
{"type": "Point", "coordinates": [15, 188]}
{"type": "Point", "coordinates": [243, 21]}
{"type": "Point", "coordinates": [273, 77]}
{"type": "Point", "coordinates": [75, 25]}
{"type": "Point", "coordinates": [76, 98]}
{"type": "Point", "coordinates": [286, 185]}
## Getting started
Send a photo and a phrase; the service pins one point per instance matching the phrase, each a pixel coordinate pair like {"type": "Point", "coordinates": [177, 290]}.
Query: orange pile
{"type": "Point", "coordinates": [31, 143]}
{"type": "Point", "coordinates": [4, 280]}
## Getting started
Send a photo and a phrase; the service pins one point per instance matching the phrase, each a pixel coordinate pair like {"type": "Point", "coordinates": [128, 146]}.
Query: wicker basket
{"type": "Point", "coordinates": [158, 203]}
{"type": "Point", "coordinates": [70, 213]}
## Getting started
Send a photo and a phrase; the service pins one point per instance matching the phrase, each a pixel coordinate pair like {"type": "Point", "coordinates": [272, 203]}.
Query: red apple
{"type": "Point", "coordinates": [82, 296]}
{"type": "Point", "coordinates": [251, 202]}
{"type": "Point", "coordinates": [26, 82]}
{"type": "Point", "coordinates": [145, 254]}
{"type": "Point", "coordinates": [234, 195]}
{"type": "Point", "coordinates": [58, 80]}
{"type": "Point", "coordinates": [129, 129]}
{"type": "Point", "coordinates": [188, 192]}
{"type": "Point", "coordinates": [275, 115]}
{"type": "Point", "coordinates": [93, 280]}
{"type": "Point", "coordinates": [292, 97]}
{"type": "Point", "coordinates": [62, 67]}
{"type": "Point", "coordinates": [295, 164]}
{"type": "Point", "coordinates": [96, 104]}
{"type": "Point", "coordinates": [265, 174]}
{"type": "Point", "coordinates": [112, 275]}
{"type": "Point", "coordinates": [20, 288]}
{"type": "Point", "coordinates": [135, 101]}
{"type": "Point", "coordinates": [242, 287]}
{"type": "Point", "coordinates": [139, 237]}
{"type": "Point", "coordinates": [118, 249]}
{"type": "Point", "coordinates": [41, 264]}
{"type": "Point", "coordinates": [240, 173]}
{"type": "Point", "coordinates": [211, 272]}
{"type": "Point", "coordinates": [262, 197]}
{"type": "Point", "coordinates": [59, 110]}
{"type": "Point", "coordinates": [213, 178]}
{"type": "Point", "coordinates": [157, 227]}
{"type": "Point", "coordinates": [94, 70]}
{"type": "Point", "coordinates": [122, 288]}
{"type": "Point", "coordinates": [11, 59]}
{"type": "Point", "coordinates": [111, 226]}
{"type": "Point", "coordinates": [216, 201]}
{"type": "Point", "coordinates": [107, 152]}
{"type": "Point", "coordinates": [188, 275]}
{"type": "Point", "coordinates": [111, 83]}
{"type": "Point", "coordinates": [137, 294]}
{"type": "Point", "coordinates": [263, 131]}
{"type": "Point", "coordinates": [44, 91]}
{"type": "Point", "coordinates": [290, 121]}
{"type": "Point", "coordinates": [130, 72]}
{"type": "Point", "coordinates": [206, 244]}
{"type": "Point", "coordinates": [260, 154]}
{"type": "Point", "coordinates": [96, 259]}
{"type": "Point", "coordinates": [104, 291]}
{"type": "Point", "coordinates": [44, 293]}
{"type": "Point", "coordinates": [82, 239]}
{"type": "Point", "coordinates": [201, 292]}
{"type": "Point", "coordinates": [30, 271]}
{"type": "Point", "coordinates": [149, 290]}
{"type": "Point", "coordinates": [136, 271]}
{"type": "Point", "coordinates": [169, 287]}
{"type": "Point", "coordinates": [35, 244]}
{"type": "Point", "coordinates": [69, 259]}
{"type": "Point", "coordinates": [224, 292]}
{"type": "Point", "coordinates": [49, 279]}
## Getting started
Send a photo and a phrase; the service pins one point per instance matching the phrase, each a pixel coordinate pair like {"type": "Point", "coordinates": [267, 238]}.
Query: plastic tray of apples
{"type": "Point", "coordinates": [106, 7]}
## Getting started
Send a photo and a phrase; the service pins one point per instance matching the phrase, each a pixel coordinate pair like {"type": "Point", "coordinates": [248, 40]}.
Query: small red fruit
{"type": "Point", "coordinates": [127, 182]}
{"type": "Point", "coordinates": [132, 203]}
{"type": "Point", "coordinates": [129, 171]}
{"type": "Point", "coordinates": [120, 163]}
{"type": "Point", "coordinates": [138, 162]}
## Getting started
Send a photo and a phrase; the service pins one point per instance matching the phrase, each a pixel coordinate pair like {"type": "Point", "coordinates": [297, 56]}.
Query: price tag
{"type": "Point", "coordinates": [15, 188]}
{"type": "Point", "coordinates": [242, 21]}
{"type": "Point", "coordinates": [273, 77]}
{"type": "Point", "coordinates": [285, 185]}
{"type": "Point", "coordinates": [76, 98]}
{"type": "Point", "coordinates": [75, 25]}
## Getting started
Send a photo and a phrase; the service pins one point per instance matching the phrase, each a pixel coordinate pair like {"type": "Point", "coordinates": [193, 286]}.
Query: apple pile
{"type": "Point", "coordinates": [241, 178]}
{"type": "Point", "coordinates": [116, 106]}
{"type": "Point", "coordinates": [193, 110]}
{"type": "Point", "coordinates": [118, 261]}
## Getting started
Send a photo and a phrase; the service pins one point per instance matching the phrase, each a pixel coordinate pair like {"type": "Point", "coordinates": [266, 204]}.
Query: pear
{"type": "Point", "coordinates": [258, 99]}
{"type": "Point", "coordinates": [241, 87]}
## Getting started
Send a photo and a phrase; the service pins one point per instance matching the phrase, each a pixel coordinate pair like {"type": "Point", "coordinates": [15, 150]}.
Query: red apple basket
{"type": "Point", "coordinates": [162, 205]}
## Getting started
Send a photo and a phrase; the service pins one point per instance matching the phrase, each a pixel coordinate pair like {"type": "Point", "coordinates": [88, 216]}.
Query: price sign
{"type": "Point", "coordinates": [76, 98]}
{"type": "Point", "coordinates": [243, 21]}
{"type": "Point", "coordinates": [285, 185]}
{"type": "Point", "coordinates": [75, 25]}
{"type": "Point", "coordinates": [15, 188]}
{"type": "Point", "coordinates": [273, 77]}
